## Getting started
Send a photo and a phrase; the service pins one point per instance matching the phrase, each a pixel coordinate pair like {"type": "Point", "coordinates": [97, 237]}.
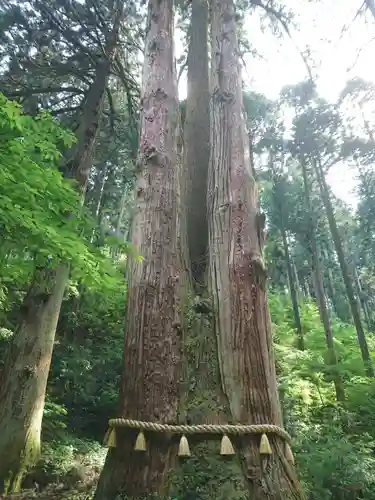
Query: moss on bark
{"type": "Point", "coordinates": [206, 474]}
{"type": "Point", "coordinates": [13, 464]}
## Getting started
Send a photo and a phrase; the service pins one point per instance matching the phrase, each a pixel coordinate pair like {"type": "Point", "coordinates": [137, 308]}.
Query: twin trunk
{"type": "Point", "coordinates": [152, 350]}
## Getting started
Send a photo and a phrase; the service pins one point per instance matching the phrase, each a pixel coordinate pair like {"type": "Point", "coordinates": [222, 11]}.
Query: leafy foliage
{"type": "Point", "coordinates": [41, 218]}
{"type": "Point", "coordinates": [334, 445]}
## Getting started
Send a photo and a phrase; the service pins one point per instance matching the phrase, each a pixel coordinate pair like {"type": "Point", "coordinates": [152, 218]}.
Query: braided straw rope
{"type": "Point", "coordinates": [203, 428]}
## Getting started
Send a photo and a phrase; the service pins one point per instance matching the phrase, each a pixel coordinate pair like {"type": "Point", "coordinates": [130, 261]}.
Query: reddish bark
{"type": "Point", "coordinates": [152, 349]}
{"type": "Point", "coordinates": [238, 280]}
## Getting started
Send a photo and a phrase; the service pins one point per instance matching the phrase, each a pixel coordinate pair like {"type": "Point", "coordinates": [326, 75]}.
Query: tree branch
{"type": "Point", "coordinates": [279, 17]}
{"type": "Point", "coordinates": [48, 90]}
{"type": "Point", "coordinates": [57, 112]}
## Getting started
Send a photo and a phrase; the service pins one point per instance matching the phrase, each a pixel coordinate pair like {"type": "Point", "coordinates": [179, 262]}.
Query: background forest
{"type": "Point", "coordinates": [70, 79]}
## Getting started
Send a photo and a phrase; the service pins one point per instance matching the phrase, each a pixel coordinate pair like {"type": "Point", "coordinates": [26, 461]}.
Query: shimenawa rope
{"type": "Point", "coordinates": [236, 429]}
{"type": "Point", "coordinates": [184, 450]}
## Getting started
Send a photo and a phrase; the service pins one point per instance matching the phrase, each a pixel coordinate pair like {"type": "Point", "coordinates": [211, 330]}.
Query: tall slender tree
{"type": "Point", "coordinates": [316, 135]}
{"type": "Point", "coordinates": [293, 288]}
{"type": "Point", "coordinates": [348, 280]}
{"type": "Point", "coordinates": [315, 257]}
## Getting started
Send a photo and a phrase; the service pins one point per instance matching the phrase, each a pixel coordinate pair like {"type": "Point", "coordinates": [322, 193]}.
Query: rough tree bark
{"type": "Point", "coordinates": [237, 275]}
{"type": "Point", "coordinates": [355, 310]}
{"type": "Point", "coordinates": [319, 287]}
{"type": "Point", "coordinates": [152, 347]}
{"type": "Point", "coordinates": [203, 400]}
{"type": "Point", "coordinates": [24, 377]}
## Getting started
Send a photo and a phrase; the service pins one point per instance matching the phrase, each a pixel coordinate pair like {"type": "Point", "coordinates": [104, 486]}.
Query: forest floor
{"type": "Point", "coordinates": [52, 492]}
{"type": "Point", "coordinates": [80, 491]}
{"type": "Point", "coordinates": [76, 482]}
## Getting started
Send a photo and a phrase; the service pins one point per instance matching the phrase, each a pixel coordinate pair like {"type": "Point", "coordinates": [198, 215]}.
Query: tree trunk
{"type": "Point", "coordinates": [203, 400]}
{"type": "Point", "coordinates": [329, 282]}
{"type": "Point", "coordinates": [115, 251]}
{"type": "Point", "coordinates": [30, 353]}
{"type": "Point", "coordinates": [362, 299]}
{"type": "Point", "coordinates": [306, 290]}
{"type": "Point", "coordinates": [292, 277]}
{"type": "Point", "coordinates": [99, 188]}
{"type": "Point", "coordinates": [237, 275]}
{"type": "Point", "coordinates": [197, 140]}
{"type": "Point", "coordinates": [336, 290]}
{"type": "Point", "coordinates": [344, 269]}
{"type": "Point", "coordinates": [24, 379]}
{"type": "Point", "coordinates": [293, 291]}
{"type": "Point", "coordinates": [295, 275]}
{"type": "Point", "coordinates": [319, 288]}
{"type": "Point", "coordinates": [152, 348]}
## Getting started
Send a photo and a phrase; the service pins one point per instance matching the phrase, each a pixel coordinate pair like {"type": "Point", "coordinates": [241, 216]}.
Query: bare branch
{"type": "Point", "coordinates": [283, 21]}
{"type": "Point", "coordinates": [48, 90]}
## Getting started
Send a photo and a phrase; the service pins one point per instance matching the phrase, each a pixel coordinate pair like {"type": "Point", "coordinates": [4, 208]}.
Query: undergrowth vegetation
{"type": "Point", "coordinates": [333, 445]}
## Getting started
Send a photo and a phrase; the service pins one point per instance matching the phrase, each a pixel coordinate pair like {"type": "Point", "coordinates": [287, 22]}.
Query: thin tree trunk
{"type": "Point", "coordinates": [311, 283]}
{"type": "Point", "coordinates": [25, 377]}
{"type": "Point", "coordinates": [344, 269]}
{"type": "Point", "coordinates": [305, 290]}
{"type": "Point", "coordinates": [319, 288]}
{"type": "Point", "coordinates": [152, 348]}
{"type": "Point", "coordinates": [291, 277]}
{"type": "Point", "coordinates": [101, 185]}
{"type": "Point", "coordinates": [329, 283]}
{"type": "Point", "coordinates": [119, 222]}
{"type": "Point", "coordinates": [237, 274]}
{"type": "Point", "coordinates": [293, 291]}
{"type": "Point", "coordinates": [338, 297]}
{"type": "Point", "coordinates": [295, 274]}
{"type": "Point", "coordinates": [362, 299]}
